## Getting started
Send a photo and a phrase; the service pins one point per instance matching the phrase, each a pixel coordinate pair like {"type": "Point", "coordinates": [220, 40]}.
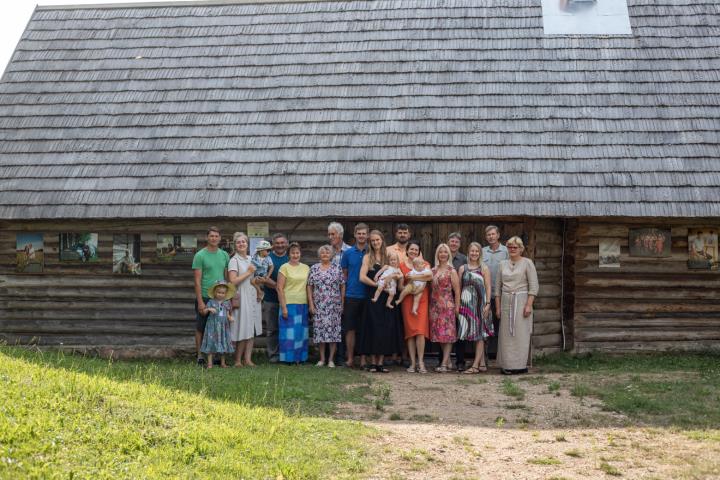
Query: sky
{"type": "Point", "coordinates": [15, 14]}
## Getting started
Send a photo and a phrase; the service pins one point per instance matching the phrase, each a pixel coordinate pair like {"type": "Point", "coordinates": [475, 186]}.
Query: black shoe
{"type": "Point", "coordinates": [460, 367]}
{"type": "Point", "coordinates": [201, 362]}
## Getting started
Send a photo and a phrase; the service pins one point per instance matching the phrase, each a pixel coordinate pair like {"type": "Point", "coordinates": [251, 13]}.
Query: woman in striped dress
{"type": "Point", "coordinates": [474, 321]}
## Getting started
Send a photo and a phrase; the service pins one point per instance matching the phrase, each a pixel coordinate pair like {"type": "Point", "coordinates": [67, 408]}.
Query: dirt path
{"type": "Point", "coordinates": [529, 427]}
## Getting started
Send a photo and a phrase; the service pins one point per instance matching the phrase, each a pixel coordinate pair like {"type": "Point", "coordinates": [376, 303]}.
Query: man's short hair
{"type": "Point", "coordinates": [213, 229]}
{"type": "Point", "coordinates": [361, 226]}
{"type": "Point", "coordinates": [337, 227]}
{"type": "Point", "coordinates": [279, 235]}
{"type": "Point", "coordinates": [402, 226]}
{"type": "Point", "coordinates": [492, 227]}
{"type": "Point", "coordinates": [455, 235]}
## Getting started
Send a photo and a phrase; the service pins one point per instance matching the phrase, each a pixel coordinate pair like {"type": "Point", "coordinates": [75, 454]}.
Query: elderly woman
{"type": "Point", "coordinates": [293, 315]}
{"type": "Point", "coordinates": [444, 304]}
{"type": "Point", "coordinates": [517, 286]}
{"type": "Point", "coordinates": [417, 326]}
{"type": "Point", "coordinates": [474, 322]}
{"type": "Point", "coordinates": [248, 314]}
{"type": "Point", "coordinates": [381, 329]}
{"type": "Point", "coordinates": [326, 294]}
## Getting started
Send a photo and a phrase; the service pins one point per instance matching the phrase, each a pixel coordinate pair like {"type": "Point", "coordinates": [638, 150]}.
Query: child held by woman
{"type": "Point", "coordinates": [216, 339]}
{"type": "Point", "coordinates": [415, 287]}
{"type": "Point", "coordinates": [263, 267]}
{"type": "Point", "coordinates": [387, 279]}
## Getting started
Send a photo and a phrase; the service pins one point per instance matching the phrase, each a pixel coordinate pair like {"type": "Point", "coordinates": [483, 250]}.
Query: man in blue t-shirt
{"type": "Point", "coordinates": [356, 292]}
{"type": "Point", "coordinates": [271, 303]}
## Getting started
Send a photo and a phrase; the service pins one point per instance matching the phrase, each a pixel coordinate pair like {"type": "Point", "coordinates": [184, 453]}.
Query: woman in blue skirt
{"type": "Point", "coordinates": [293, 315]}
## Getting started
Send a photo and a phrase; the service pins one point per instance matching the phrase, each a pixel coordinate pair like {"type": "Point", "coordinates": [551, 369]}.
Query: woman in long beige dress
{"type": "Point", "coordinates": [517, 286]}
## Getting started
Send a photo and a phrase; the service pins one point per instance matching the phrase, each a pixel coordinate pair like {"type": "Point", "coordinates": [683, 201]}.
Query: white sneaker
{"type": "Point", "coordinates": [320, 364]}
{"type": "Point", "coordinates": [331, 364]}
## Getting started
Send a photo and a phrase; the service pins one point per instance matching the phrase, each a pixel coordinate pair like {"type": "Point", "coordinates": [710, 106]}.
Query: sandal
{"type": "Point", "coordinates": [372, 369]}
{"type": "Point", "coordinates": [382, 369]}
{"type": "Point", "coordinates": [482, 368]}
{"type": "Point", "coordinates": [411, 369]}
{"type": "Point", "coordinates": [442, 369]}
{"type": "Point", "coordinates": [422, 369]}
{"type": "Point", "coordinates": [471, 371]}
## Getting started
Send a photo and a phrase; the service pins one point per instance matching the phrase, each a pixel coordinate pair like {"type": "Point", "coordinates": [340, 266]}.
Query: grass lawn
{"type": "Point", "coordinates": [67, 416]}
{"type": "Point", "coordinates": [680, 390]}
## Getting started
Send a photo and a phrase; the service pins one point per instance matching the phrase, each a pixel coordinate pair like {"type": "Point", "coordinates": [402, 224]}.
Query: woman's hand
{"type": "Point", "coordinates": [251, 268]}
{"type": "Point", "coordinates": [284, 312]}
{"type": "Point", "coordinates": [527, 310]}
{"type": "Point", "coordinates": [212, 310]}
{"type": "Point", "coordinates": [457, 309]}
{"type": "Point", "coordinates": [311, 309]}
{"type": "Point", "coordinates": [486, 310]}
{"type": "Point", "coordinates": [497, 310]}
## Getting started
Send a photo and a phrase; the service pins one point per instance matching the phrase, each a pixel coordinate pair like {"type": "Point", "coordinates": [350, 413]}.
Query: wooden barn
{"type": "Point", "coordinates": [126, 130]}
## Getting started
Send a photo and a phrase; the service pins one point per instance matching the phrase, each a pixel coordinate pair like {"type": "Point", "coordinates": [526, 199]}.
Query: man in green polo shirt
{"type": "Point", "coordinates": [209, 265]}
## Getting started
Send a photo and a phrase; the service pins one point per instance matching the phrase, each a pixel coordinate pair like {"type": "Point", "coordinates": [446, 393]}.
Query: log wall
{"type": "Point", "coordinates": [647, 304]}
{"type": "Point", "coordinates": [83, 306]}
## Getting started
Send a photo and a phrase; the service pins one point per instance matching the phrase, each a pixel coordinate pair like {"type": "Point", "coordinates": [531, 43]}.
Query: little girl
{"type": "Point", "coordinates": [415, 287]}
{"type": "Point", "coordinates": [217, 329]}
{"type": "Point", "coordinates": [388, 277]}
{"type": "Point", "coordinates": [263, 267]}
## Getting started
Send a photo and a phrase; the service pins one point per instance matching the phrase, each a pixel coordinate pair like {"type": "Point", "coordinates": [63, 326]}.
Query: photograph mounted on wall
{"type": "Point", "coordinates": [649, 242]}
{"type": "Point", "coordinates": [78, 247]}
{"type": "Point", "coordinates": [703, 249]}
{"type": "Point", "coordinates": [609, 253]}
{"type": "Point", "coordinates": [29, 252]}
{"type": "Point", "coordinates": [226, 244]}
{"type": "Point", "coordinates": [126, 254]}
{"type": "Point", "coordinates": [175, 247]}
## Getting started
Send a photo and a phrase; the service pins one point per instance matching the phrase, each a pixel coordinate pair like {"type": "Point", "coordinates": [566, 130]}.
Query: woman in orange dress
{"type": "Point", "coordinates": [417, 327]}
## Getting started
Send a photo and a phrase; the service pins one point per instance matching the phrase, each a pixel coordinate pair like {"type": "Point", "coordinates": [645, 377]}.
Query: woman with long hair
{"type": "Point", "coordinates": [246, 309]}
{"type": "Point", "coordinates": [474, 321]}
{"type": "Point", "coordinates": [444, 305]}
{"type": "Point", "coordinates": [416, 325]}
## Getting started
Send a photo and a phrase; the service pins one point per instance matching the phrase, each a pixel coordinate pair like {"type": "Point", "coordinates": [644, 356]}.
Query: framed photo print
{"type": "Point", "coordinates": [649, 242]}
{"type": "Point", "coordinates": [78, 247]}
{"type": "Point", "coordinates": [29, 252]}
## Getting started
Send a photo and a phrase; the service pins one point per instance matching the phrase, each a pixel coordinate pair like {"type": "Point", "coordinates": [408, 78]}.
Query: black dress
{"type": "Point", "coordinates": [381, 332]}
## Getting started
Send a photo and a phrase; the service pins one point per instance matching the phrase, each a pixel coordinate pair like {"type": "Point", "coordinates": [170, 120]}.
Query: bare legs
{"type": "Point", "coordinates": [243, 353]}
{"type": "Point", "coordinates": [479, 361]}
{"type": "Point", "coordinates": [416, 349]}
{"type": "Point", "coordinates": [446, 349]}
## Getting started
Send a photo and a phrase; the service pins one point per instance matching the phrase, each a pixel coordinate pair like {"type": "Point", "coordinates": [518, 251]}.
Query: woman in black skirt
{"type": "Point", "coordinates": [381, 331]}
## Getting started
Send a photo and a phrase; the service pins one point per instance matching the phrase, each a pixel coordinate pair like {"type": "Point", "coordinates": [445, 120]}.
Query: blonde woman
{"type": "Point", "coordinates": [248, 313]}
{"type": "Point", "coordinates": [474, 322]}
{"type": "Point", "coordinates": [444, 304]}
{"type": "Point", "coordinates": [517, 286]}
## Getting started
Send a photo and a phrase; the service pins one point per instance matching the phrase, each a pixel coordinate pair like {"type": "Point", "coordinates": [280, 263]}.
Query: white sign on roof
{"type": "Point", "coordinates": [586, 17]}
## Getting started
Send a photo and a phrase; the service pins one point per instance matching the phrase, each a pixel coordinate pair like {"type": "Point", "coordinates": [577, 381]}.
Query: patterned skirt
{"type": "Point", "coordinates": [293, 334]}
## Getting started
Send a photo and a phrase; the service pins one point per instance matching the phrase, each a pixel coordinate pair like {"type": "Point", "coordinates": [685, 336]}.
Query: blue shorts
{"type": "Point", "coordinates": [200, 320]}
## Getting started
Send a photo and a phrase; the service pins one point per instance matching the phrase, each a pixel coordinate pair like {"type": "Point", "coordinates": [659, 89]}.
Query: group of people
{"type": "Point", "coordinates": [367, 301]}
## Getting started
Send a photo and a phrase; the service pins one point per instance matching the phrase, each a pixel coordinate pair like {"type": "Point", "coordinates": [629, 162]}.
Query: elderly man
{"type": "Point", "coordinates": [492, 255]}
{"type": "Point", "coordinates": [335, 233]}
{"type": "Point", "coordinates": [271, 303]}
{"type": "Point", "coordinates": [402, 237]}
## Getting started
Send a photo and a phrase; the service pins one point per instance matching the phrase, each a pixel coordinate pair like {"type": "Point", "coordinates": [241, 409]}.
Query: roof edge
{"type": "Point", "coordinates": [176, 3]}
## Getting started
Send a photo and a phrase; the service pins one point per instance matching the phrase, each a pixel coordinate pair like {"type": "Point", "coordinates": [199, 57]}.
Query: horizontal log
{"type": "Point", "coordinates": [687, 293]}
{"type": "Point", "coordinates": [642, 323]}
{"type": "Point", "coordinates": [546, 328]}
{"type": "Point", "coordinates": [628, 280]}
{"type": "Point", "coordinates": [646, 346]}
{"type": "Point", "coordinates": [99, 305]}
{"type": "Point", "coordinates": [548, 237]}
{"type": "Point", "coordinates": [583, 306]}
{"type": "Point", "coordinates": [645, 335]}
{"type": "Point", "coordinates": [548, 340]}
{"type": "Point", "coordinates": [546, 315]}
{"type": "Point", "coordinates": [547, 250]}
{"type": "Point", "coordinates": [118, 340]}
{"type": "Point", "coordinates": [104, 326]}
{"type": "Point", "coordinates": [107, 294]}
{"type": "Point", "coordinates": [667, 266]}
{"type": "Point", "coordinates": [83, 282]}
{"type": "Point", "coordinates": [540, 352]}
{"type": "Point", "coordinates": [119, 312]}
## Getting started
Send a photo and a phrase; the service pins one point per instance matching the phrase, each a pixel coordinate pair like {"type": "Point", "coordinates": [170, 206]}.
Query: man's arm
{"type": "Point", "coordinates": [197, 274]}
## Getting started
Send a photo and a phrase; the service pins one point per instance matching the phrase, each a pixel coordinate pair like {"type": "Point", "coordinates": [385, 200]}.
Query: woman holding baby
{"type": "Point", "coordinates": [417, 327]}
{"type": "Point", "coordinates": [380, 333]}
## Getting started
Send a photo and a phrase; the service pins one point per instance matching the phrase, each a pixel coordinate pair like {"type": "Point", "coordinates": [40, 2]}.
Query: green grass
{"type": "Point", "coordinates": [512, 389]}
{"type": "Point", "coordinates": [72, 417]}
{"type": "Point", "coordinates": [544, 461]}
{"type": "Point", "coordinates": [681, 390]}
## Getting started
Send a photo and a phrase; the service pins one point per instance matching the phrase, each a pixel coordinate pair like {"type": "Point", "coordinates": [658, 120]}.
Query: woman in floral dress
{"type": "Point", "coordinates": [444, 304]}
{"type": "Point", "coordinates": [326, 293]}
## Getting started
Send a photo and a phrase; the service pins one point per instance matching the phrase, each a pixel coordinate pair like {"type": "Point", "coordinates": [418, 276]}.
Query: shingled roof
{"type": "Point", "coordinates": [323, 108]}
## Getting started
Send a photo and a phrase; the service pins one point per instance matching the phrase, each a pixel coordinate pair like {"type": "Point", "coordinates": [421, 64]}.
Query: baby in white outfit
{"type": "Point", "coordinates": [415, 287]}
{"type": "Point", "coordinates": [389, 276]}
